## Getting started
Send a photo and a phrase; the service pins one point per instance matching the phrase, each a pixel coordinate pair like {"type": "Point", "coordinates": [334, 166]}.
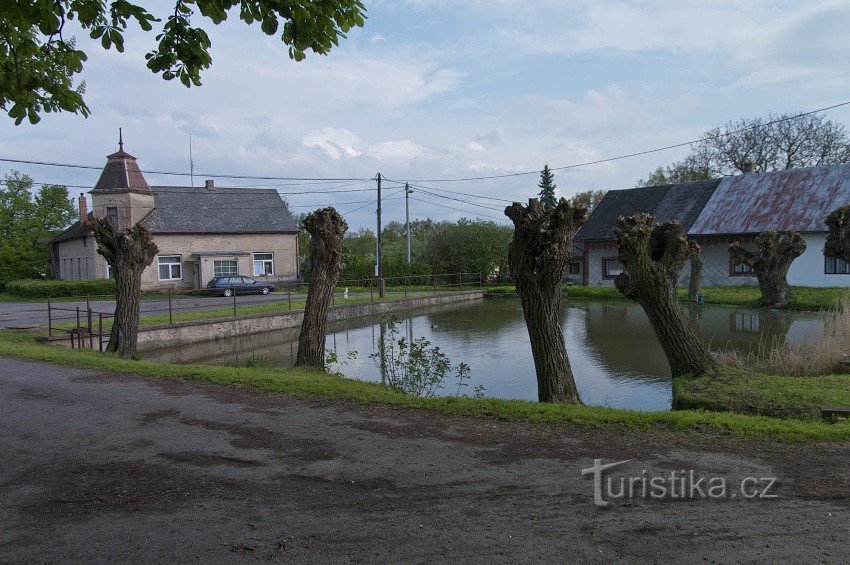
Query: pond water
{"type": "Point", "coordinates": [613, 351]}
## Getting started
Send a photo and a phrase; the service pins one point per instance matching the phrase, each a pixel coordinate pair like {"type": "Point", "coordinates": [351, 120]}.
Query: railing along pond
{"type": "Point", "coordinates": [83, 332]}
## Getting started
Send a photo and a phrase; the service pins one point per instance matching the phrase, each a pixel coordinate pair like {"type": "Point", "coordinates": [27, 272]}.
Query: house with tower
{"type": "Point", "coordinates": [201, 232]}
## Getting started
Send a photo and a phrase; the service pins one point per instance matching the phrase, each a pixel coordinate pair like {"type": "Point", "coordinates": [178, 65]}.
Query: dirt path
{"type": "Point", "coordinates": [98, 466]}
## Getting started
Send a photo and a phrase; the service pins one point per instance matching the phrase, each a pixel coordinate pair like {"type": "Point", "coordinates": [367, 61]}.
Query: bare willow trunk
{"type": "Point", "coordinates": [326, 228]}
{"type": "Point", "coordinates": [653, 257]}
{"type": "Point", "coordinates": [694, 286]}
{"type": "Point", "coordinates": [838, 238]}
{"type": "Point", "coordinates": [771, 262]}
{"type": "Point", "coordinates": [538, 255]}
{"type": "Point", "coordinates": [128, 252]}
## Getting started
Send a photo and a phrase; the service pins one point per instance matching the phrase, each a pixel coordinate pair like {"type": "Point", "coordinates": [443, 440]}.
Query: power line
{"type": "Point", "coordinates": [457, 209]}
{"type": "Point", "coordinates": [637, 153]}
{"type": "Point", "coordinates": [461, 200]}
{"type": "Point", "coordinates": [178, 173]}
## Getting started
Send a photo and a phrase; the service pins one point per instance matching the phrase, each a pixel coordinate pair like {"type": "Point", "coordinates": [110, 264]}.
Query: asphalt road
{"type": "Point", "coordinates": [31, 314]}
{"type": "Point", "coordinates": [101, 467]}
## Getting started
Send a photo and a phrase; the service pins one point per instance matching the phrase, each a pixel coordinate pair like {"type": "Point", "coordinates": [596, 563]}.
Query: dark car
{"type": "Point", "coordinates": [226, 286]}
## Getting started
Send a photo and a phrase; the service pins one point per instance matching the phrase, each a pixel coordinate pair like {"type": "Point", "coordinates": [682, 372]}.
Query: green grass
{"type": "Point", "coordinates": [767, 395]}
{"type": "Point", "coordinates": [801, 297]}
{"type": "Point", "coordinates": [303, 383]}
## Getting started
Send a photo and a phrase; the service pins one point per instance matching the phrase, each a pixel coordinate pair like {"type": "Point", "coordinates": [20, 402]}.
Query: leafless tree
{"type": "Point", "coordinates": [770, 262]}
{"type": "Point", "coordinates": [838, 238]}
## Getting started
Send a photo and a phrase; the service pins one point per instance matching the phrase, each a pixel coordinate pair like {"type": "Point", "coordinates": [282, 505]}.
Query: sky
{"type": "Point", "coordinates": [433, 89]}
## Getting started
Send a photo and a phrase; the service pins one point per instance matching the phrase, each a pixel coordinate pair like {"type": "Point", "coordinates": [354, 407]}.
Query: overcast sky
{"type": "Point", "coordinates": [433, 89]}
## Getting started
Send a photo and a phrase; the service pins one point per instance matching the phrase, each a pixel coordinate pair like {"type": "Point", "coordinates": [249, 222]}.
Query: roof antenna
{"type": "Point", "coordinates": [191, 164]}
{"type": "Point", "coordinates": [120, 140]}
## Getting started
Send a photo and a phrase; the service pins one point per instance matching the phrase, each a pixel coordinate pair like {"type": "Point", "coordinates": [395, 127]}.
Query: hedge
{"type": "Point", "coordinates": [32, 288]}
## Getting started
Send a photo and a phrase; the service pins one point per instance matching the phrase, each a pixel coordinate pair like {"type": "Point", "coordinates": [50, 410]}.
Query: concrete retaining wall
{"type": "Point", "coordinates": [185, 333]}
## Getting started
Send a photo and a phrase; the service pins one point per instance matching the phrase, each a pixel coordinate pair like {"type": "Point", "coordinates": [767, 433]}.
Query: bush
{"type": "Point", "coordinates": [31, 288]}
{"type": "Point", "coordinates": [356, 268]}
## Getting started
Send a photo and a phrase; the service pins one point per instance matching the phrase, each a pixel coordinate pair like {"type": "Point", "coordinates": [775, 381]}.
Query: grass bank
{"type": "Point", "coordinates": [302, 383]}
{"type": "Point", "coordinates": [801, 297]}
{"type": "Point", "coordinates": [735, 390]}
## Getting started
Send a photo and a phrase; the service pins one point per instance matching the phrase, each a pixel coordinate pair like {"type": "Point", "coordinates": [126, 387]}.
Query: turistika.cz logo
{"type": "Point", "coordinates": [676, 485]}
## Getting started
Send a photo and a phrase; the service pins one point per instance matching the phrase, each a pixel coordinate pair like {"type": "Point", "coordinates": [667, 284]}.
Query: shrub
{"type": "Point", "coordinates": [31, 288]}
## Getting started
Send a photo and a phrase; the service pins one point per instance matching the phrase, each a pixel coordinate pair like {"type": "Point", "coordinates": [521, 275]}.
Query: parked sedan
{"type": "Point", "coordinates": [226, 286]}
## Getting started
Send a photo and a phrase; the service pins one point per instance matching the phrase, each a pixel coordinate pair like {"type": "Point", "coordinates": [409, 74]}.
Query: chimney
{"type": "Point", "coordinates": [748, 167]}
{"type": "Point", "coordinates": [209, 184]}
{"type": "Point", "coordinates": [84, 208]}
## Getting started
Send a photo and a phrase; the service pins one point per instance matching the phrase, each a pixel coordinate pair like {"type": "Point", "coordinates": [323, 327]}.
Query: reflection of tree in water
{"type": "Point", "coordinates": [473, 320]}
{"type": "Point", "coordinates": [742, 329]}
{"type": "Point", "coordinates": [621, 339]}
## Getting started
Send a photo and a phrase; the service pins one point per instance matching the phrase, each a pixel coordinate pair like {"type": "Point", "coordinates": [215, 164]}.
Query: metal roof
{"type": "Point", "coordinates": [793, 199]}
{"type": "Point", "coordinates": [682, 202]}
{"type": "Point", "coordinates": [121, 172]}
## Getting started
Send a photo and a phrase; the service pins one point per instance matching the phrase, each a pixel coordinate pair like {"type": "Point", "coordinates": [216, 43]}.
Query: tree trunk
{"type": "Point", "coordinates": [128, 252]}
{"type": "Point", "coordinates": [653, 257]}
{"type": "Point", "coordinates": [326, 228]}
{"type": "Point", "coordinates": [695, 254]}
{"type": "Point", "coordinates": [538, 255]}
{"type": "Point", "coordinates": [838, 238]}
{"type": "Point", "coordinates": [770, 263]}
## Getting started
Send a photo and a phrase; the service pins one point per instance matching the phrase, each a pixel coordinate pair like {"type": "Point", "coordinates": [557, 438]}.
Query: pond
{"type": "Point", "coordinates": [613, 351]}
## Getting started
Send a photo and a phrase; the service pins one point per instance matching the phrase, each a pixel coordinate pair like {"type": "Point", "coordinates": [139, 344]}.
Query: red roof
{"type": "Point", "coordinates": [121, 172]}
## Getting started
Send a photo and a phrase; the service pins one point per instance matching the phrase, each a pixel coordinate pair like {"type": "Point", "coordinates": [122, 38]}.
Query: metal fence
{"type": "Point", "coordinates": [88, 325]}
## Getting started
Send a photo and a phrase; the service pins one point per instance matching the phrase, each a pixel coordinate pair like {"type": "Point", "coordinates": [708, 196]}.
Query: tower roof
{"type": "Point", "coordinates": [121, 173]}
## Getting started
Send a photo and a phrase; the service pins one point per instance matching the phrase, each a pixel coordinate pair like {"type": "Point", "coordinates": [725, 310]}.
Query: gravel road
{"type": "Point", "coordinates": [101, 467]}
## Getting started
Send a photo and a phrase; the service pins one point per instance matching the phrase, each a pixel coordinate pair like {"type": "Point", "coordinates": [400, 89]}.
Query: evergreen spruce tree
{"type": "Point", "coordinates": [547, 188]}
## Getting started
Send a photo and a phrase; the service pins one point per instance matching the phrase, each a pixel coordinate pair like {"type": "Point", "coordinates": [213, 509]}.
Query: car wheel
{"type": "Point", "coordinates": [266, 290]}
{"type": "Point", "coordinates": [227, 293]}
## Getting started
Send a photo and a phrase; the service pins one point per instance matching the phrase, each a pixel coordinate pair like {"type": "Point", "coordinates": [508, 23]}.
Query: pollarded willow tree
{"type": "Point", "coordinates": [326, 228]}
{"type": "Point", "coordinates": [838, 238]}
{"type": "Point", "coordinates": [770, 263]}
{"type": "Point", "coordinates": [653, 257]}
{"type": "Point", "coordinates": [694, 284]}
{"type": "Point", "coordinates": [538, 255]}
{"type": "Point", "coordinates": [128, 252]}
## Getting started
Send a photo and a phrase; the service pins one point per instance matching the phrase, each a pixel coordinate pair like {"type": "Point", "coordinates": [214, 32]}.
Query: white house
{"type": "Point", "coordinates": [718, 212]}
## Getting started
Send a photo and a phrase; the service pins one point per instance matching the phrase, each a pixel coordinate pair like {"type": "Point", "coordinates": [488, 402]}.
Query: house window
{"type": "Point", "coordinates": [112, 214]}
{"type": "Point", "coordinates": [836, 266]}
{"type": "Point", "coordinates": [263, 264]}
{"type": "Point", "coordinates": [611, 267]}
{"type": "Point", "coordinates": [224, 268]}
{"type": "Point", "coordinates": [575, 268]}
{"type": "Point", "coordinates": [108, 271]}
{"type": "Point", "coordinates": [170, 268]}
{"type": "Point", "coordinates": [740, 270]}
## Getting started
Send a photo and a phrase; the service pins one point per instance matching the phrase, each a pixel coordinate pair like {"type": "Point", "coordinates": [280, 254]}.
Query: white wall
{"type": "Point", "coordinates": [806, 270]}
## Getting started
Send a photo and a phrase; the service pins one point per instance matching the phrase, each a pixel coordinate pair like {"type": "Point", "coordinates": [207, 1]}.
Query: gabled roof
{"type": "Point", "coordinates": [682, 202]}
{"type": "Point", "coordinates": [181, 209]}
{"type": "Point", "coordinates": [74, 231]}
{"type": "Point", "coordinates": [120, 173]}
{"type": "Point", "coordinates": [794, 199]}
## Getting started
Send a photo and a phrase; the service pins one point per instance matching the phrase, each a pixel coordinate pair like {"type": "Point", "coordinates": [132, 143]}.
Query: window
{"type": "Point", "coordinates": [611, 267]}
{"type": "Point", "coordinates": [263, 264]}
{"type": "Point", "coordinates": [836, 266]}
{"type": "Point", "coordinates": [112, 214]}
{"type": "Point", "coordinates": [575, 268]}
{"type": "Point", "coordinates": [740, 270]}
{"type": "Point", "coordinates": [108, 271]}
{"type": "Point", "coordinates": [225, 267]}
{"type": "Point", "coordinates": [170, 268]}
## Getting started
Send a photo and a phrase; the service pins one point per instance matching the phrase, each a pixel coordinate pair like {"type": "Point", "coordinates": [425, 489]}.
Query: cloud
{"type": "Point", "coordinates": [192, 123]}
{"type": "Point", "coordinates": [336, 142]}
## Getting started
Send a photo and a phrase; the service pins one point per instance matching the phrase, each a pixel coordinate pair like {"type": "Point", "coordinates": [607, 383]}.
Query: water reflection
{"type": "Point", "coordinates": [613, 351]}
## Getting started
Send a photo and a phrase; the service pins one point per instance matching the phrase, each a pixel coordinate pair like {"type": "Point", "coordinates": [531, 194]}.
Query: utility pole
{"type": "Point", "coordinates": [407, 192]}
{"type": "Point", "coordinates": [378, 270]}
